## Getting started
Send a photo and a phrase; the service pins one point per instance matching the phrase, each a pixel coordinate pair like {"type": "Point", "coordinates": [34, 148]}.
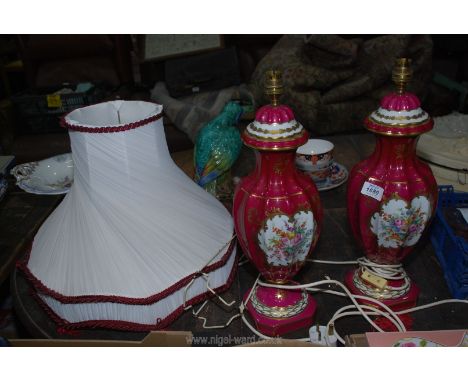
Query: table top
{"type": "Point", "coordinates": [21, 215]}
{"type": "Point", "coordinates": [336, 243]}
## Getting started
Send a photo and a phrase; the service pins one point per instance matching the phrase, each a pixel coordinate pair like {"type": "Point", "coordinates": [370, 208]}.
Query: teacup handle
{"type": "Point", "coordinates": [23, 171]}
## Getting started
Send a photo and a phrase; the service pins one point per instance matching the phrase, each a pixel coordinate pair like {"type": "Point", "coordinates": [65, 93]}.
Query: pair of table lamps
{"type": "Point", "coordinates": [391, 198]}
{"type": "Point", "coordinates": [135, 241]}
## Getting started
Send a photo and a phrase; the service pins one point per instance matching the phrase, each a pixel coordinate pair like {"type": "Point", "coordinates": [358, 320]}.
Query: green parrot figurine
{"type": "Point", "coordinates": [217, 146]}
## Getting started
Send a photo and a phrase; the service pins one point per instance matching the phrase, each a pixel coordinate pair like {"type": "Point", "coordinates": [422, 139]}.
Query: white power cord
{"type": "Point", "coordinates": [243, 260]}
{"type": "Point", "coordinates": [328, 335]}
{"type": "Point", "coordinates": [396, 319]}
{"type": "Point", "coordinates": [206, 277]}
{"type": "Point", "coordinates": [372, 311]}
{"type": "Point", "coordinates": [204, 319]}
{"type": "Point", "coordinates": [385, 271]}
{"type": "Point", "coordinates": [352, 297]}
{"type": "Point", "coordinates": [376, 312]}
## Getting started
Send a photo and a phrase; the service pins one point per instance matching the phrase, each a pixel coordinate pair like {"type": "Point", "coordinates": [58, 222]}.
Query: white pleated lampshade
{"type": "Point", "coordinates": [127, 246]}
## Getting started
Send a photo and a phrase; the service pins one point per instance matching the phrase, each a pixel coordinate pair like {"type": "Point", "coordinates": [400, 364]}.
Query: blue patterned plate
{"type": "Point", "coordinates": [339, 175]}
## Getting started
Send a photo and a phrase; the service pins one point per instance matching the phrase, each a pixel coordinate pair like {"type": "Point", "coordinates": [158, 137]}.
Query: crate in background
{"type": "Point", "coordinates": [40, 111]}
{"type": "Point", "coordinates": [450, 245]}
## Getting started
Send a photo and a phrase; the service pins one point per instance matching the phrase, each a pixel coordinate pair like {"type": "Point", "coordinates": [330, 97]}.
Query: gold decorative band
{"type": "Point", "coordinates": [279, 312]}
{"type": "Point", "coordinates": [400, 117]}
{"type": "Point", "coordinates": [398, 124]}
{"type": "Point", "coordinates": [280, 131]}
{"type": "Point", "coordinates": [285, 148]}
{"type": "Point", "coordinates": [412, 180]}
{"type": "Point", "coordinates": [282, 139]}
{"type": "Point", "coordinates": [274, 197]}
{"type": "Point", "coordinates": [395, 134]}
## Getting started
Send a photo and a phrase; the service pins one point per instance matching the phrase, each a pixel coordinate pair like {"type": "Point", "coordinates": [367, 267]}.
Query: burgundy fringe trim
{"type": "Point", "coordinates": [22, 265]}
{"type": "Point", "coordinates": [65, 325]}
{"type": "Point", "coordinates": [109, 129]}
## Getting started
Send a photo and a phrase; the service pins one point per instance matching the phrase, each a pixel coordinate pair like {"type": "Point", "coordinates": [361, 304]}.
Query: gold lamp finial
{"type": "Point", "coordinates": [273, 86]}
{"type": "Point", "coordinates": [402, 74]}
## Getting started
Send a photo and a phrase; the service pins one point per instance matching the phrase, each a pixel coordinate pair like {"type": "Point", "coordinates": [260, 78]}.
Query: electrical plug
{"type": "Point", "coordinates": [319, 335]}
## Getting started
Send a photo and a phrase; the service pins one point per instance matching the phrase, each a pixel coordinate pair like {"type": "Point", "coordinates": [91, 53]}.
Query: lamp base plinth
{"type": "Point", "coordinates": [396, 300]}
{"type": "Point", "coordinates": [279, 311]}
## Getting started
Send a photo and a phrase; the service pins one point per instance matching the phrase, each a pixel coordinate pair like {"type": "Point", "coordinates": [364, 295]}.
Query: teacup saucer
{"type": "Point", "coordinates": [339, 175]}
{"type": "Point", "coordinates": [51, 176]}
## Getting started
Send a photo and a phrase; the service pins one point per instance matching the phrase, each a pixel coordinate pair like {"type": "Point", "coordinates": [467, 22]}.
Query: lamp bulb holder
{"type": "Point", "coordinates": [273, 86]}
{"type": "Point", "coordinates": [402, 74]}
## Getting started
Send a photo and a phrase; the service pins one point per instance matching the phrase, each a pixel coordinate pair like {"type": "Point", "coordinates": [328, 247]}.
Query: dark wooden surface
{"type": "Point", "coordinates": [21, 214]}
{"type": "Point", "coordinates": [335, 243]}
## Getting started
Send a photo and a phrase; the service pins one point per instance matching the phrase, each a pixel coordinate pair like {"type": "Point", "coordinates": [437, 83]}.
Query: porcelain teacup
{"type": "Point", "coordinates": [316, 159]}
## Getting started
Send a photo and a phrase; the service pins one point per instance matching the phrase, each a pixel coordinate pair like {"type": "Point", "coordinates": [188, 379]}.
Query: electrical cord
{"type": "Point", "coordinates": [348, 293]}
{"type": "Point", "coordinates": [373, 312]}
{"type": "Point", "coordinates": [206, 277]}
{"type": "Point", "coordinates": [386, 271]}
{"type": "Point", "coordinates": [376, 312]}
{"type": "Point", "coordinates": [366, 311]}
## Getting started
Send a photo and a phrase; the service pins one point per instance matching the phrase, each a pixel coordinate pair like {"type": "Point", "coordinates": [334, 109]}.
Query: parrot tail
{"type": "Point", "coordinates": [204, 180]}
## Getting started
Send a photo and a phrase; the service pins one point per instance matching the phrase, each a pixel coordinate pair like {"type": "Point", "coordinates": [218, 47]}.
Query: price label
{"type": "Point", "coordinates": [54, 100]}
{"type": "Point", "coordinates": [372, 190]}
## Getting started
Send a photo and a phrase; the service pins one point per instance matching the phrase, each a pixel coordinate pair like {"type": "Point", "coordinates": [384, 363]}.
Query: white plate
{"type": "Point", "coordinates": [51, 176]}
{"type": "Point", "coordinates": [338, 176]}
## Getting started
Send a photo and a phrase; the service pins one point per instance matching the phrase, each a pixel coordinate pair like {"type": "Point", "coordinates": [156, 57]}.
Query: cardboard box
{"type": "Point", "coordinates": [153, 339]}
{"type": "Point", "coordinates": [448, 338]}
{"type": "Point", "coordinates": [356, 340]}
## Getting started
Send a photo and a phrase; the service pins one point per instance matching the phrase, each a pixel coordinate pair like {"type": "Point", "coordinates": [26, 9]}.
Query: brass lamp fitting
{"type": "Point", "coordinates": [273, 86]}
{"type": "Point", "coordinates": [402, 74]}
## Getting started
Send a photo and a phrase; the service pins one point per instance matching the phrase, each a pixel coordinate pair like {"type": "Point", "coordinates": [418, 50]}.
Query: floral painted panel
{"type": "Point", "coordinates": [399, 224]}
{"type": "Point", "coordinates": [287, 240]}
